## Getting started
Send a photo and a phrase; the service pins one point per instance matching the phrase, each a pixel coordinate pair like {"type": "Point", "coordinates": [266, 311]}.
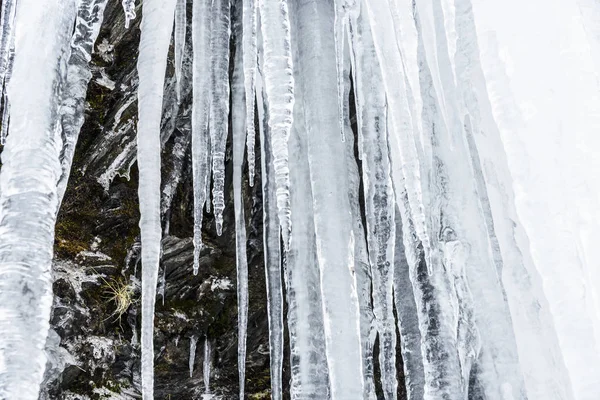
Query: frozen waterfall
{"type": "Point", "coordinates": [430, 185]}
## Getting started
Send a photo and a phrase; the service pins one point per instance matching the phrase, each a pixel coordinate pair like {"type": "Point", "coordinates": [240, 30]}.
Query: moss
{"type": "Point", "coordinates": [258, 396]}
{"type": "Point", "coordinates": [259, 384]}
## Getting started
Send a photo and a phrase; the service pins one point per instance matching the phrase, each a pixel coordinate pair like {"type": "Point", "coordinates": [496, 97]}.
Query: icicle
{"type": "Point", "coordinates": [129, 9]}
{"type": "Point", "coordinates": [250, 8]}
{"type": "Point", "coordinates": [279, 88]}
{"type": "Point", "coordinates": [238, 131]}
{"type": "Point", "coordinates": [404, 152]}
{"type": "Point", "coordinates": [180, 26]}
{"type": "Point", "coordinates": [379, 202]}
{"type": "Point", "coordinates": [7, 47]}
{"type": "Point", "coordinates": [87, 27]}
{"type": "Point", "coordinates": [28, 195]}
{"type": "Point", "coordinates": [6, 36]}
{"type": "Point", "coordinates": [200, 140]}
{"type": "Point", "coordinates": [538, 346]}
{"type": "Point", "coordinates": [206, 368]}
{"type": "Point", "coordinates": [180, 149]}
{"type": "Point", "coordinates": [5, 116]}
{"type": "Point", "coordinates": [219, 103]}
{"type": "Point", "coordinates": [192, 358]}
{"type": "Point", "coordinates": [406, 307]}
{"type": "Point", "coordinates": [340, 24]}
{"type": "Point", "coordinates": [484, 332]}
{"type": "Point", "coordinates": [362, 269]}
{"type": "Point", "coordinates": [329, 183]}
{"type": "Point", "coordinates": [309, 373]}
{"type": "Point", "coordinates": [152, 64]}
{"type": "Point", "coordinates": [272, 253]}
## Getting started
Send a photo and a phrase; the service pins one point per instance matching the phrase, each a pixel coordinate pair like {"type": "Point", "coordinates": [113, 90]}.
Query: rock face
{"type": "Point", "coordinates": [93, 347]}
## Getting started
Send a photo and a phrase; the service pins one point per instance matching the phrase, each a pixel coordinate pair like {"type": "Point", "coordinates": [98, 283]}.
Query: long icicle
{"type": "Point", "coordinates": [279, 87]}
{"type": "Point", "coordinates": [29, 200]}
{"type": "Point", "coordinates": [219, 103]}
{"type": "Point", "coordinates": [152, 63]}
{"type": "Point", "coordinates": [272, 249]}
{"type": "Point", "coordinates": [379, 203]}
{"type": "Point", "coordinates": [87, 27]}
{"type": "Point", "coordinates": [238, 132]}
{"type": "Point", "coordinates": [180, 26]}
{"type": "Point", "coordinates": [250, 8]}
{"type": "Point", "coordinates": [200, 139]}
{"type": "Point", "coordinates": [7, 43]}
{"type": "Point", "coordinates": [332, 210]}
{"type": "Point", "coordinates": [308, 365]}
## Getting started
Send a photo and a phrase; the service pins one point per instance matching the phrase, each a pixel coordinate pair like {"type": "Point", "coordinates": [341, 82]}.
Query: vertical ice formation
{"type": "Point", "coordinates": [206, 365]}
{"type": "Point", "coordinates": [7, 44]}
{"type": "Point", "coordinates": [331, 209]}
{"type": "Point", "coordinates": [219, 102]}
{"type": "Point", "coordinates": [405, 152]}
{"type": "Point", "coordinates": [362, 266]}
{"type": "Point", "coordinates": [238, 132]}
{"type": "Point", "coordinates": [485, 336]}
{"type": "Point", "coordinates": [342, 10]}
{"type": "Point", "coordinates": [406, 307]}
{"type": "Point", "coordinates": [129, 9]}
{"type": "Point", "coordinates": [87, 27]}
{"type": "Point", "coordinates": [309, 372]}
{"type": "Point", "coordinates": [549, 127]}
{"type": "Point", "coordinates": [152, 63]}
{"type": "Point", "coordinates": [273, 258]}
{"type": "Point", "coordinates": [192, 358]}
{"type": "Point", "coordinates": [250, 28]}
{"type": "Point", "coordinates": [179, 152]}
{"type": "Point", "coordinates": [201, 18]}
{"type": "Point", "coordinates": [279, 88]}
{"type": "Point", "coordinates": [28, 186]}
{"type": "Point", "coordinates": [7, 32]}
{"type": "Point", "coordinates": [539, 351]}
{"type": "Point", "coordinates": [180, 26]}
{"type": "Point", "coordinates": [379, 202]}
